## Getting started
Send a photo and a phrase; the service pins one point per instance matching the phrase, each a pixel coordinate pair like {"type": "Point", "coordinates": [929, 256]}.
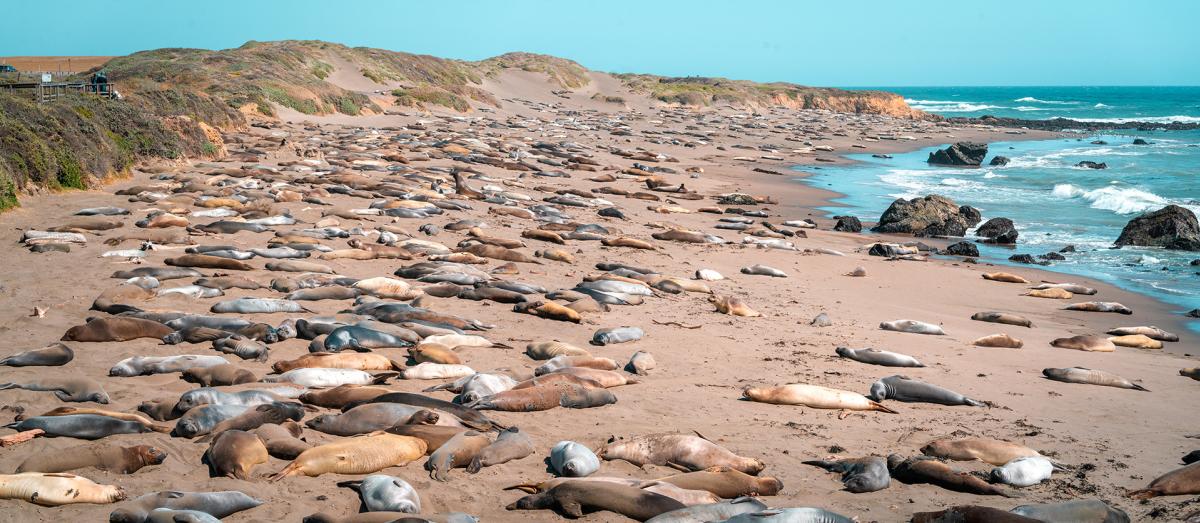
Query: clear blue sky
{"type": "Point", "coordinates": [829, 42]}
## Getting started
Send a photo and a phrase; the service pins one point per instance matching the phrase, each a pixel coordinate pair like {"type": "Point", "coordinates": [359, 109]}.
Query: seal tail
{"type": "Point", "coordinates": [875, 405]}
{"type": "Point", "coordinates": [475, 466]}
{"type": "Point", "coordinates": [1142, 494]}
{"type": "Point", "coordinates": [827, 465]}
{"type": "Point", "coordinates": [973, 403]}
{"type": "Point", "coordinates": [10, 385]}
{"type": "Point", "coordinates": [528, 488]}
{"type": "Point", "coordinates": [382, 377]}
{"type": "Point", "coordinates": [292, 468]}
{"type": "Point", "coordinates": [1135, 385]}
{"type": "Point", "coordinates": [496, 345]}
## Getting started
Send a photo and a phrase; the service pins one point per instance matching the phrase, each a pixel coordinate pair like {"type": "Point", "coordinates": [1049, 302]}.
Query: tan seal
{"type": "Point", "coordinates": [1085, 343]}
{"type": "Point", "coordinates": [234, 453]}
{"type": "Point", "coordinates": [1003, 341]}
{"type": "Point", "coordinates": [116, 329]}
{"type": "Point", "coordinates": [1137, 341]}
{"type": "Point", "coordinates": [994, 451]}
{"type": "Point", "coordinates": [52, 490]}
{"type": "Point", "coordinates": [1179, 482]}
{"type": "Point", "coordinates": [1004, 277]}
{"type": "Point", "coordinates": [106, 457]}
{"type": "Point", "coordinates": [814, 396]}
{"type": "Point", "coordinates": [683, 451]}
{"type": "Point", "coordinates": [733, 306]}
{"type": "Point", "coordinates": [358, 455]}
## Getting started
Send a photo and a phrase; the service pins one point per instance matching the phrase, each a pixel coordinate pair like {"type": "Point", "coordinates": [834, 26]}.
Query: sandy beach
{"type": "Point", "coordinates": [1111, 440]}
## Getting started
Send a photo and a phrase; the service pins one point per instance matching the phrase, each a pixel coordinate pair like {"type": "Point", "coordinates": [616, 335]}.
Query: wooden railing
{"type": "Point", "coordinates": [48, 92]}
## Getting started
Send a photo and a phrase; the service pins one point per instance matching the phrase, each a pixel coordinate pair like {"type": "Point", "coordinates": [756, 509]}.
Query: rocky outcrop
{"type": "Point", "coordinates": [1139, 141]}
{"type": "Point", "coordinates": [1000, 231]}
{"type": "Point", "coordinates": [848, 224]}
{"type": "Point", "coordinates": [999, 161]}
{"type": "Point", "coordinates": [932, 215]}
{"type": "Point", "coordinates": [1026, 258]}
{"type": "Point", "coordinates": [1092, 165]}
{"type": "Point", "coordinates": [960, 154]}
{"type": "Point", "coordinates": [963, 248]}
{"type": "Point", "coordinates": [1064, 124]}
{"type": "Point", "coordinates": [1172, 227]}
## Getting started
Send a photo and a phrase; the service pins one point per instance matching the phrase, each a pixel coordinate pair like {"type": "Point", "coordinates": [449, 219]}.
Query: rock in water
{"type": "Point", "coordinates": [963, 249]}
{"type": "Point", "coordinates": [999, 161]}
{"type": "Point", "coordinates": [1092, 165]}
{"type": "Point", "coordinates": [1172, 227]}
{"type": "Point", "coordinates": [932, 215]}
{"type": "Point", "coordinates": [998, 230]}
{"type": "Point", "coordinates": [848, 224]}
{"type": "Point", "coordinates": [1139, 141]}
{"type": "Point", "coordinates": [961, 153]}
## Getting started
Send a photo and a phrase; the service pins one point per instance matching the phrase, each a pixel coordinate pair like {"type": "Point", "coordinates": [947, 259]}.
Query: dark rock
{"type": "Point", "coordinates": [611, 212]}
{"type": "Point", "coordinates": [999, 161]}
{"type": "Point", "coordinates": [1052, 256]}
{"type": "Point", "coordinates": [1099, 142]}
{"type": "Point", "coordinates": [998, 230]}
{"type": "Point", "coordinates": [1026, 258]}
{"type": "Point", "coordinates": [963, 249]}
{"type": "Point", "coordinates": [1092, 165]}
{"type": "Point", "coordinates": [848, 224]}
{"type": "Point", "coordinates": [931, 215]}
{"type": "Point", "coordinates": [1195, 262]}
{"type": "Point", "coordinates": [961, 153]}
{"type": "Point", "coordinates": [1069, 248]}
{"type": "Point", "coordinates": [1064, 124]}
{"type": "Point", "coordinates": [882, 156]}
{"type": "Point", "coordinates": [1194, 313]}
{"type": "Point", "coordinates": [1172, 227]}
{"type": "Point", "coordinates": [1139, 141]}
{"type": "Point", "coordinates": [886, 250]}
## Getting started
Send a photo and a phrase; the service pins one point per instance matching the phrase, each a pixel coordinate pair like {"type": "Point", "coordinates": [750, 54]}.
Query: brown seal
{"type": "Point", "coordinates": [434, 436]}
{"type": "Point", "coordinates": [924, 469]}
{"type": "Point", "coordinates": [228, 282]}
{"type": "Point", "coordinates": [545, 397]}
{"type": "Point", "coordinates": [572, 497]}
{"type": "Point", "coordinates": [283, 440]}
{"type": "Point", "coordinates": [116, 329]}
{"type": "Point", "coordinates": [342, 395]}
{"type": "Point", "coordinates": [543, 235]}
{"type": "Point", "coordinates": [814, 396]}
{"type": "Point", "coordinates": [259, 415]}
{"type": "Point", "coordinates": [1085, 343]}
{"type": "Point", "coordinates": [547, 379]}
{"type": "Point", "coordinates": [510, 445]}
{"type": "Point", "coordinates": [999, 340]}
{"type": "Point", "coordinates": [359, 455]}
{"type": "Point", "coordinates": [1053, 293]}
{"type": "Point", "coordinates": [205, 261]}
{"type": "Point", "coordinates": [606, 378]}
{"type": "Point", "coordinates": [457, 452]}
{"type": "Point", "coordinates": [1004, 277]}
{"type": "Point", "coordinates": [733, 306]}
{"type": "Point", "coordinates": [496, 252]}
{"type": "Point", "coordinates": [994, 451]}
{"type": "Point", "coordinates": [219, 375]}
{"type": "Point", "coordinates": [110, 458]}
{"type": "Point", "coordinates": [1137, 341]}
{"type": "Point", "coordinates": [234, 453]}
{"type": "Point", "coordinates": [1002, 317]}
{"type": "Point", "coordinates": [683, 451]}
{"type": "Point", "coordinates": [1183, 481]}
{"type": "Point", "coordinates": [365, 361]}
{"type": "Point", "coordinates": [971, 514]}
{"type": "Point", "coordinates": [726, 482]}
{"type": "Point", "coordinates": [549, 310]}
{"type": "Point", "coordinates": [622, 241]}
{"type": "Point", "coordinates": [434, 353]}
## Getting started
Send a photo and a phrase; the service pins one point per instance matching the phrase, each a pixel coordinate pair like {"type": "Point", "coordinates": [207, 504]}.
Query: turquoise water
{"type": "Point", "coordinates": [1110, 104]}
{"type": "Point", "coordinates": [1054, 203]}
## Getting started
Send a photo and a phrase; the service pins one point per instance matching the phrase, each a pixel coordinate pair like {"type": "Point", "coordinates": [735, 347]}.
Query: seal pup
{"type": "Point", "coordinates": [1023, 472]}
{"type": "Point", "coordinates": [282, 440]}
{"type": "Point", "coordinates": [1053, 293]}
{"type": "Point", "coordinates": [878, 357]}
{"type": "Point", "coordinates": [866, 474]}
{"type": "Point", "coordinates": [218, 375]}
{"type": "Point", "coordinates": [814, 396]}
{"type": "Point", "coordinates": [1090, 377]}
{"type": "Point", "coordinates": [1079, 510]}
{"type": "Point", "coordinates": [69, 411]}
{"type": "Point", "coordinates": [719, 511]}
{"type": "Point", "coordinates": [52, 490]}
{"type": "Point", "coordinates": [573, 497]}
{"type": "Point", "coordinates": [53, 355]}
{"type": "Point", "coordinates": [805, 514]}
{"type": "Point", "coordinates": [1191, 372]}
{"type": "Point", "coordinates": [733, 306]}
{"type": "Point", "coordinates": [912, 326]}
{"type": "Point", "coordinates": [383, 493]}
{"type": "Point", "coordinates": [763, 270]}
{"type": "Point", "coordinates": [217, 504]}
{"type": "Point", "coordinates": [1136, 341]}
{"type": "Point", "coordinates": [640, 363]}
{"type": "Point", "coordinates": [924, 469]}
{"type": "Point", "coordinates": [572, 460]}
{"type": "Point", "coordinates": [1085, 343]}
{"type": "Point", "coordinates": [908, 390]}
{"type": "Point", "coordinates": [1001, 340]}
{"type": "Point", "coordinates": [457, 452]}
{"type": "Point", "coordinates": [372, 417]}
{"type": "Point", "coordinates": [234, 453]}
{"type": "Point", "coordinates": [511, 444]}
{"type": "Point", "coordinates": [1184, 481]}
{"type": "Point", "coordinates": [1151, 332]}
{"type": "Point", "coordinates": [545, 397]}
{"type": "Point", "coordinates": [360, 455]}
{"type": "Point", "coordinates": [545, 350]}
{"type": "Point", "coordinates": [993, 451]}
{"type": "Point", "coordinates": [110, 458]}
{"type": "Point", "coordinates": [683, 451]}
{"type": "Point", "coordinates": [726, 482]}
{"type": "Point", "coordinates": [1073, 288]}
{"type": "Point", "coordinates": [1099, 306]}
{"type": "Point", "coordinates": [1004, 277]}
{"type": "Point", "coordinates": [970, 514]}
{"type": "Point", "coordinates": [65, 389]}
{"type": "Point", "coordinates": [1002, 317]}
{"type": "Point", "coordinates": [117, 328]}
{"type": "Point", "coordinates": [615, 335]}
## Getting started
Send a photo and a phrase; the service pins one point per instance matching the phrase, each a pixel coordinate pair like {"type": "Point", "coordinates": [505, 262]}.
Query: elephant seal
{"type": "Point", "coordinates": [545, 397]}
{"type": "Point", "coordinates": [719, 511]}
{"type": "Point", "coordinates": [549, 349]}
{"type": "Point", "coordinates": [970, 514]}
{"type": "Point", "coordinates": [234, 453]}
{"type": "Point", "coordinates": [158, 273]}
{"type": "Point", "coordinates": [218, 375]}
{"type": "Point", "coordinates": [1002, 317]}
{"type": "Point", "coordinates": [383, 493]}
{"type": "Point", "coordinates": [1099, 306]}
{"type": "Point", "coordinates": [573, 497]}
{"type": "Point", "coordinates": [321, 378]}
{"type": "Point", "coordinates": [282, 440]}
{"type": "Point", "coordinates": [457, 452]}
{"type": "Point", "coordinates": [469, 417]}
{"type": "Point", "coordinates": [684, 450]}
{"type": "Point", "coordinates": [82, 426]}
{"type": "Point", "coordinates": [993, 451]}
{"type": "Point", "coordinates": [572, 460]}
{"type": "Point", "coordinates": [372, 417]}
{"type": "Point", "coordinates": [1004, 277]}
{"type": "Point", "coordinates": [606, 378]}
{"type": "Point", "coordinates": [1151, 332]}
{"type": "Point", "coordinates": [166, 515]}
{"type": "Point", "coordinates": [242, 347]}
{"type": "Point", "coordinates": [1001, 340]}
{"type": "Point", "coordinates": [867, 474]}
{"type": "Point", "coordinates": [117, 328]}
{"type": "Point", "coordinates": [111, 458]}
{"type": "Point", "coordinates": [814, 396]}
{"type": "Point", "coordinates": [1023, 472]}
{"type": "Point", "coordinates": [361, 455]}
{"type": "Point", "coordinates": [1184, 481]}
{"type": "Point", "coordinates": [53, 355]}
{"type": "Point", "coordinates": [52, 490]}
{"type": "Point", "coordinates": [912, 326]}
{"type": "Point", "coordinates": [726, 482]}
{"type": "Point", "coordinates": [1080, 510]}
{"type": "Point", "coordinates": [342, 395]}
{"type": "Point", "coordinates": [878, 357]}
{"type": "Point", "coordinates": [257, 306]}
{"type": "Point", "coordinates": [1191, 372]}
{"type": "Point", "coordinates": [924, 469]}
{"type": "Point", "coordinates": [434, 371]}
{"type": "Point", "coordinates": [1085, 343]}
{"type": "Point", "coordinates": [1090, 377]}
{"type": "Point", "coordinates": [617, 335]}
{"type": "Point", "coordinates": [433, 353]}
{"type": "Point", "coordinates": [908, 390]}
{"type": "Point", "coordinates": [434, 436]}
{"type": "Point", "coordinates": [805, 514]}
{"type": "Point", "coordinates": [365, 361]}
{"type": "Point", "coordinates": [217, 504]}
{"type": "Point", "coordinates": [733, 306]}
{"type": "Point", "coordinates": [1053, 293]}
{"type": "Point", "coordinates": [1137, 341]}
{"type": "Point", "coordinates": [145, 365]}
{"type": "Point", "coordinates": [1073, 288]}
{"type": "Point", "coordinates": [354, 337]}
{"type": "Point", "coordinates": [510, 445]}
{"type": "Point", "coordinates": [763, 270]}
{"type": "Point", "coordinates": [263, 414]}
{"type": "Point", "coordinates": [200, 420]}
{"type": "Point", "coordinates": [204, 261]}
{"type": "Point", "coordinates": [641, 363]}
{"type": "Point", "coordinates": [138, 418]}
{"type": "Point", "coordinates": [66, 389]}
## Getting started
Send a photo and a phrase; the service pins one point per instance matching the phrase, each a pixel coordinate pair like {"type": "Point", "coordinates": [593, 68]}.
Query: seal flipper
{"type": "Point", "coordinates": [875, 405]}
{"type": "Point", "coordinates": [973, 403]}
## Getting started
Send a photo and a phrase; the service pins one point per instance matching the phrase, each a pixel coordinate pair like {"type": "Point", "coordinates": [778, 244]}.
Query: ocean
{"type": "Point", "coordinates": [1054, 203]}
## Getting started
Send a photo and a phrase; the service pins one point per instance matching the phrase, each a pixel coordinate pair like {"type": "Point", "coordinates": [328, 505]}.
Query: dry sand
{"type": "Point", "coordinates": [1115, 439]}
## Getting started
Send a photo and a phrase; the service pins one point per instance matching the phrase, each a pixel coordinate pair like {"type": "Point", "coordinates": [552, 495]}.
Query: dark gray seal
{"type": "Point", "coordinates": [859, 475]}
{"type": "Point", "coordinates": [1079, 510]}
{"type": "Point", "coordinates": [903, 388]}
{"type": "Point", "coordinates": [217, 504]}
{"type": "Point", "coordinates": [66, 389]}
{"type": "Point", "coordinates": [82, 426]}
{"type": "Point", "coordinates": [53, 355]}
{"type": "Point", "coordinates": [879, 357]}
